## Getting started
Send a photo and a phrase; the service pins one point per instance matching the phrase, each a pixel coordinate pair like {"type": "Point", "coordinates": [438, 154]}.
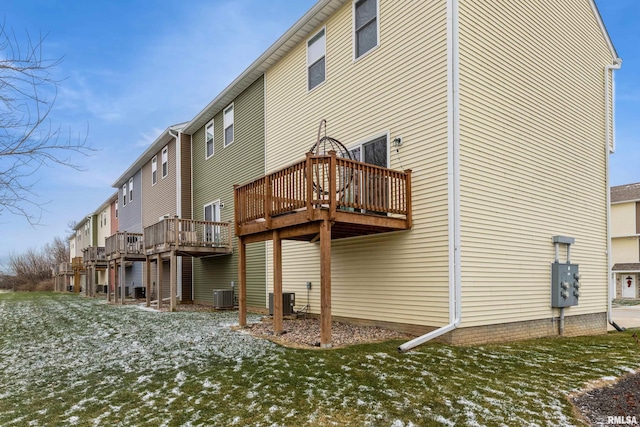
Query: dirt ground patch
{"type": "Point", "coordinates": [305, 333]}
{"type": "Point", "coordinates": [619, 398]}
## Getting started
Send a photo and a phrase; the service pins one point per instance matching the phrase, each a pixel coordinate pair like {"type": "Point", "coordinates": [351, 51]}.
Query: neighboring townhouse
{"type": "Point", "coordinates": [501, 115]}
{"type": "Point", "coordinates": [625, 239]}
{"type": "Point", "coordinates": [227, 148]}
{"type": "Point", "coordinates": [85, 236]}
{"type": "Point", "coordinates": [124, 247]}
{"type": "Point", "coordinates": [94, 255]}
{"type": "Point", "coordinates": [166, 195]}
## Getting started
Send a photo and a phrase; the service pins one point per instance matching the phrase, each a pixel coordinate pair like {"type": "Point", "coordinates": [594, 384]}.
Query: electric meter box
{"type": "Point", "coordinates": [565, 284]}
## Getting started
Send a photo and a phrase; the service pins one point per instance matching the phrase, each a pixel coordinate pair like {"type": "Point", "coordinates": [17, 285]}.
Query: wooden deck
{"type": "Point", "coordinates": [125, 246]}
{"type": "Point", "coordinates": [188, 237]}
{"type": "Point", "coordinates": [319, 199]}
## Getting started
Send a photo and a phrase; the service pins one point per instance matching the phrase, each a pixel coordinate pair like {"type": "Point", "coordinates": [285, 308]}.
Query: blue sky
{"type": "Point", "coordinates": [132, 68]}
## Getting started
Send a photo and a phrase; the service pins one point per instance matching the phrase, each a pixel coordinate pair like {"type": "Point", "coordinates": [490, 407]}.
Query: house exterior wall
{"type": "Point", "coordinates": [532, 156]}
{"type": "Point", "coordinates": [213, 179]}
{"type": "Point", "coordinates": [130, 220]}
{"type": "Point", "coordinates": [104, 226]}
{"type": "Point", "coordinates": [397, 89]}
{"type": "Point", "coordinates": [623, 219]}
{"type": "Point", "coordinates": [625, 250]}
{"type": "Point", "coordinates": [159, 199]}
{"type": "Point", "coordinates": [113, 207]}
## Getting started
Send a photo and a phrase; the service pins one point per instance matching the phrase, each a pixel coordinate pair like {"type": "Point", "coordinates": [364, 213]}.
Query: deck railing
{"type": "Point", "coordinates": [124, 243]}
{"type": "Point", "coordinates": [77, 263]}
{"type": "Point", "coordinates": [187, 232]}
{"type": "Point", "coordinates": [94, 253]}
{"type": "Point", "coordinates": [325, 181]}
{"type": "Point", "coordinates": [64, 268]}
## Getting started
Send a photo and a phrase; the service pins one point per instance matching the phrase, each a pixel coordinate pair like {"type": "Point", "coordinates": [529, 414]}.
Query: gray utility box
{"type": "Point", "coordinates": [288, 301]}
{"type": "Point", "coordinates": [565, 284]}
{"type": "Point", "coordinates": [222, 298]}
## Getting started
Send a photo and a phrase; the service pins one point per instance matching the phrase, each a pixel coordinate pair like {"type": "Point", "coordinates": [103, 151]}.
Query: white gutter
{"type": "Point", "coordinates": [453, 173]}
{"type": "Point", "coordinates": [608, 99]}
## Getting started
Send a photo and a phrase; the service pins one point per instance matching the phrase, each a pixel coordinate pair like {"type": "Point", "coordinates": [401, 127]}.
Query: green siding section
{"type": "Point", "coordinates": [213, 179]}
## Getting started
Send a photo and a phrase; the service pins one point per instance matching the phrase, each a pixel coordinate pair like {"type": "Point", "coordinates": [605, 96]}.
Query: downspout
{"type": "Point", "coordinates": [609, 129]}
{"type": "Point", "coordinates": [453, 173]}
{"type": "Point", "coordinates": [178, 203]}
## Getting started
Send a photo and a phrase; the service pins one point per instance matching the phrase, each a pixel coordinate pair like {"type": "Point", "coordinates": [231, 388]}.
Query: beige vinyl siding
{"type": "Point", "coordinates": [160, 199]}
{"type": "Point", "coordinates": [625, 250]}
{"type": "Point", "coordinates": [532, 132]}
{"type": "Point", "coordinates": [213, 179]}
{"type": "Point", "coordinates": [398, 88]}
{"type": "Point", "coordinates": [623, 219]}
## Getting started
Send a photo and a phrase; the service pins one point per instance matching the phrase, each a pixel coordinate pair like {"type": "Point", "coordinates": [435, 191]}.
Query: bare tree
{"type": "Point", "coordinates": [57, 251]}
{"type": "Point", "coordinates": [28, 139]}
{"type": "Point", "coordinates": [31, 267]}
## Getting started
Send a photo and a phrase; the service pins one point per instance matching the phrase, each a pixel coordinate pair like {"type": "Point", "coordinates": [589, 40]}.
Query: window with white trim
{"type": "Point", "coordinates": [124, 194]}
{"type": "Point", "coordinates": [165, 161]}
{"type": "Point", "coordinates": [208, 139]}
{"type": "Point", "coordinates": [228, 125]}
{"type": "Point", "coordinates": [130, 189]}
{"type": "Point", "coordinates": [116, 209]}
{"type": "Point", "coordinates": [154, 170]}
{"type": "Point", "coordinates": [212, 231]}
{"type": "Point", "coordinates": [365, 26]}
{"type": "Point", "coordinates": [316, 59]}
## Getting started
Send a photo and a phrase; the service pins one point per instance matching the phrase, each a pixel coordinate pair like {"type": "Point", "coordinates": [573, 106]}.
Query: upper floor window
{"type": "Point", "coordinates": [366, 26]}
{"type": "Point", "coordinates": [116, 209]}
{"type": "Point", "coordinates": [316, 64]}
{"type": "Point", "coordinates": [165, 161]}
{"type": "Point", "coordinates": [208, 139]}
{"type": "Point", "coordinates": [228, 125]}
{"type": "Point", "coordinates": [124, 194]}
{"type": "Point", "coordinates": [130, 189]}
{"type": "Point", "coordinates": [154, 170]}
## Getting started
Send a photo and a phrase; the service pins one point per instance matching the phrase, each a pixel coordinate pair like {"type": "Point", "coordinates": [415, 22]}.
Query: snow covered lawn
{"type": "Point", "coordinates": [70, 360]}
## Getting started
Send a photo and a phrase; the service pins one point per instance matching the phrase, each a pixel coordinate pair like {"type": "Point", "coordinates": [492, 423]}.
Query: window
{"type": "Point", "coordinates": [154, 170]}
{"type": "Point", "coordinates": [316, 53]}
{"type": "Point", "coordinates": [124, 194]}
{"type": "Point", "coordinates": [228, 125]}
{"type": "Point", "coordinates": [165, 162]}
{"type": "Point", "coordinates": [366, 26]}
{"type": "Point", "coordinates": [371, 189]}
{"type": "Point", "coordinates": [116, 209]}
{"type": "Point", "coordinates": [208, 139]}
{"type": "Point", "coordinates": [130, 189]}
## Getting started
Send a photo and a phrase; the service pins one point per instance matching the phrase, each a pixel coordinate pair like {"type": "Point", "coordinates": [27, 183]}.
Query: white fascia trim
{"type": "Point", "coordinates": [603, 29]}
{"type": "Point", "coordinates": [453, 174]}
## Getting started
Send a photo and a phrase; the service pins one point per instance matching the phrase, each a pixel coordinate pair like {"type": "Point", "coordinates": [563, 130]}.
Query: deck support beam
{"type": "Point", "coordinates": [325, 284]}
{"type": "Point", "coordinates": [242, 282]}
{"type": "Point", "coordinates": [147, 281]}
{"type": "Point", "coordinates": [277, 284]}
{"type": "Point", "coordinates": [123, 278]}
{"type": "Point", "coordinates": [116, 281]}
{"type": "Point", "coordinates": [159, 281]}
{"type": "Point", "coordinates": [173, 281]}
{"type": "Point", "coordinates": [109, 281]}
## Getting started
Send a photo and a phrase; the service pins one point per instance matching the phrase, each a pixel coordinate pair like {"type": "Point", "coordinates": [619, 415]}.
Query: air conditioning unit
{"type": "Point", "coordinates": [288, 301]}
{"type": "Point", "coordinates": [222, 298]}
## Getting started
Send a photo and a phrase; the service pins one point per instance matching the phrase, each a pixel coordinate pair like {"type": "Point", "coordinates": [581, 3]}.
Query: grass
{"type": "Point", "coordinates": [70, 360]}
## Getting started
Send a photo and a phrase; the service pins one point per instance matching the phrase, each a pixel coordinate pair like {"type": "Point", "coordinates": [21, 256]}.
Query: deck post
{"type": "Point", "coordinates": [108, 281]}
{"type": "Point", "coordinates": [333, 187]}
{"type": "Point", "coordinates": [267, 200]}
{"type": "Point", "coordinates": [116, 281]}
{"type": "Point", "coordinates": [325, 284]}
{"type": "Point", "coordinates": [309, 178]}
{"type": "Point", "coordinates": [409, 206]}
{"type": "Point", "coordinates": [123, 278]}
{"type": "Point", "coordinates": [173, 281]}
{"type": "Point", "coordinates": [236, 209]}
{"type": "Point", "coordinates": [277, 284]}
{"type": "Point", "coordinates": [159, 280]}
{"type": "Point", "coordinates": [242, 282]}
{"type": "Point", "coordinates": [147, 281]}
